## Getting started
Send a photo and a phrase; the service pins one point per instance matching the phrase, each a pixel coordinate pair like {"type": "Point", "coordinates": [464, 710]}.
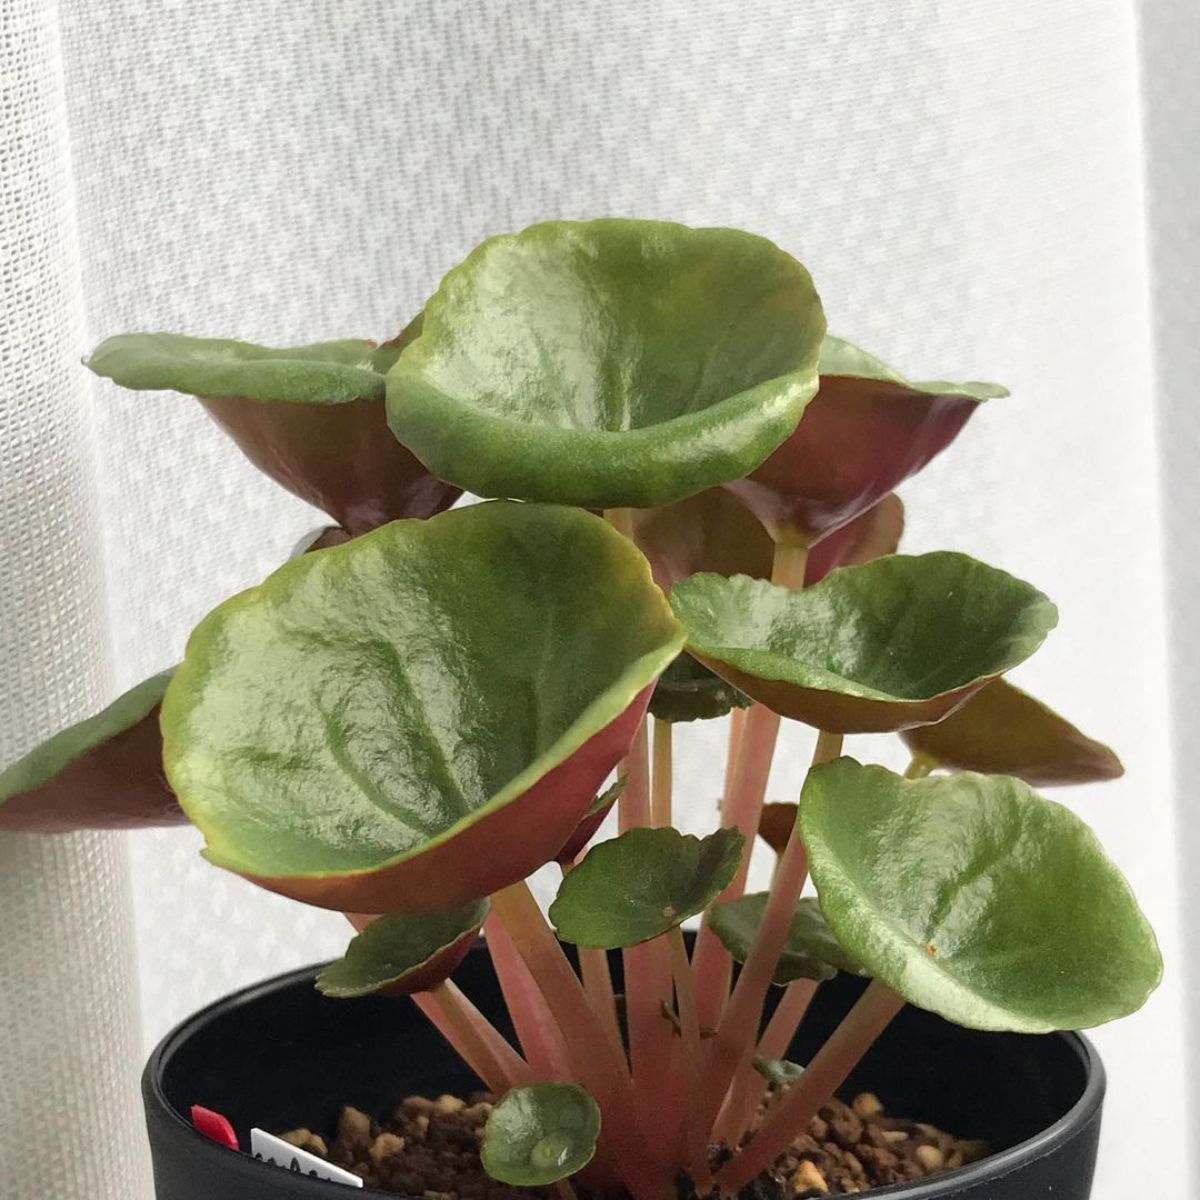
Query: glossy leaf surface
{"type": "Point", "coordinates": [105, 772]}
{"type": "Point", "coordinates": [642, 884]}
{"type": "Point", "coordinates": [899, 641]}
{"type": "Point", "coordinates": [403, 953]}
{"type": "Point", "coordinates": [688, 691]}
{"type": "Point", "coordinates": [397, 724]}
{"type": "Point", "coordinates": [539, 1134]}
{"type": "Point", "coordinates": [310, 417]}
{"type": "Point", "coordinates": [812, 950]}
{"type": "Point", "coordinates": [974, 897]}
{"type": "Point", "coordinates": [610, 363]}
{"type": "Point", "coordinates": [1002, 730]}
{"type": "Point", "coordinates": [867, 430]}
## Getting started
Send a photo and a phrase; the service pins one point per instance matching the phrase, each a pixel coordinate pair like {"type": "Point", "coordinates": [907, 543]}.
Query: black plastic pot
{"type": "Point", "coordinates": [279, 1055]}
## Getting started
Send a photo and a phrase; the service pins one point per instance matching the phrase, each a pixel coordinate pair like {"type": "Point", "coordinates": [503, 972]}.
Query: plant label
{"type": "Point", "coordinates": [270, 1149]}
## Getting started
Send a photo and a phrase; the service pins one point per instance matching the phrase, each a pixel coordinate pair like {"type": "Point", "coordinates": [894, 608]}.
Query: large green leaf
{"type": "Point", "coordinates": [539, 1134]}
{"type": "Point", "coordinates": [422, 715]}
{"type": "Point", "coordinates": [311, 417]}
{"type": "Point", "coordinates": [403, 953]}
{"type": "Point", "coordinates": [899, 641]}
{"type": "Point", "coordinates": [642, 884]}
{"type": "Point", "coordinates": [812, 950]}
{"type": "Point", "coordinates": [689, 691]}
{"type": "Point", "coordinates": [105, 772]}
{"type": "Point", "coordinates": [609, 363]}
{"type": "Point", "coordinates": [1002, 730]}
{"type": "Point", "coordinates": [867, 430]}
{"type": "Point", "coordinates": [974, 897]}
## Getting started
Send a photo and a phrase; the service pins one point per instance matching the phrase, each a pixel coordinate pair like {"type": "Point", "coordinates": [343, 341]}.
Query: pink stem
{"type": "Point", "coordinates": [536, 1028]}
{"type": "Point", "coordinates": [737, 722]}
{"type": "Point", "coordinates": [822, 1077]}
{"type": "Point", "coordinates": [749, 1086]}
{"type": "Point", "coordinates": [474, 1037]}
{"type": "Point", "coordinates": [741, 810]}
{"type": "Point", "coordinates": [595, 1063]}
{"type": "Point", "coordinates": [694, 1138]}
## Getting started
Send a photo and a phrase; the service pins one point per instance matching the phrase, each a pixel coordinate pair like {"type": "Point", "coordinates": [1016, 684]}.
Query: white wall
{"type": "Point", "coordinates": [964, 180]}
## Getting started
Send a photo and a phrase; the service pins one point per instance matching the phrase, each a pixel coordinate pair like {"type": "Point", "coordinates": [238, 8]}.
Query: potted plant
{"type": "Point", "coordinates": [690, 512]}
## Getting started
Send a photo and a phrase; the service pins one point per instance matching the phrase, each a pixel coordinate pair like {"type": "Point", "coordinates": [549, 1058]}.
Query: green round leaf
{"type": "Point", "coordinates": [812, 950]}
{"type": "Point", "coordinates": [867, 430]}
{"type": "Point", "coordinates": [539, 1134]}
{"type": "Point", "coordinates": [896, 642]}
{"type": "Point", "coordinates": [611, 363]}
{"type": "Point", "coordinates": [420, 716]}
{"type": "Point", "coordinates": [103, 773]}
{"type": "Point", "coordinates": [689, 691]}
{"type": "Point", "coordinates": [1002, 730]}
{"type": "Point", "coordinates": [642, 884]}
{"type": "Point", "coordinates": [778, 1070]}
{"type": "Point", "coordinates": [310, 417]}
{"type": "Point", "coordinates": [403, 953]}
{"type": "Point", "coordinates": [974, 897]}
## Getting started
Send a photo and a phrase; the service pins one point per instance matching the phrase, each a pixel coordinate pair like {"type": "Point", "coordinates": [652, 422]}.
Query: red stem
{"type": "Point", "coordinates": [749, 1086]}
{"type": "Point", "coordinates": [474, 1037]}
{"type": "Point", "coordinates": [822, 1077]}
{"type": "Point", "coordinates": [595, 1063]}
{"type": "Point", "coordinates": [741, 810]}
{"type": "Point", "coordinates": [536, 1028]}
{"type": "Point", "coordinates": [694, 1138]}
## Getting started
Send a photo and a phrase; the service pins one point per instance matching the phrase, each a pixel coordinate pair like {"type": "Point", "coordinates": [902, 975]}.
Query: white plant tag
{"type": "Point", "coordinates": [270, 1149]}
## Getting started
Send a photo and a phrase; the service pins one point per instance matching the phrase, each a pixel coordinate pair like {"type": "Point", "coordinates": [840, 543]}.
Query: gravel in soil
{"type": "Point", "coordinates": [430, 1148]}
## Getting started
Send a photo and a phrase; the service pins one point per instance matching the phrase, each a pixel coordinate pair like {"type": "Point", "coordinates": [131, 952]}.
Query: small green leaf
{"type": "Point", "coordinates": [642, 884]}
{"type": "Point", "coordinates": [540, 1134]}
{"type": "Point", "coordinates": [689, 691]}
{"type": "Point", "coordinates": [974, 897]}
{"type": "Point", "coordinates": [310, 417]}
{"type": "Point", "coordinates": [592, 820]}
{"type": "Point", "coordinates": [397, 725]}
{"type": "Point", "coordinates": [105, 772]}
{"type": "Point", "coordinates": [892, 643]}
{"type": "Point", "coordinates": [778, 1070]}
{"type": "Point", "coordinates": [610, 363]}
{"type": "Point", "coordinates": [867, 430]}
{"type": "Point", "coordinates": [812, 950]}
{"type": "Point", "coordinates": [403, 954]}
{"type": "Point", "coordinates": [1002, 730]}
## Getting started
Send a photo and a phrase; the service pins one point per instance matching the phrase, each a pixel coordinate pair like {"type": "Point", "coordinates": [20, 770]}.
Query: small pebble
{"type": "Point", "coordinates": [930, 1157]}
{"type": "Point", "coordinates": [808, 1179]}
{"type": "Point", "coordinates": [867, 1104]}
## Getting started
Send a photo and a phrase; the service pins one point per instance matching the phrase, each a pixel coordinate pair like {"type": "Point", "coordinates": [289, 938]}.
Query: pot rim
{"type": "Point", "coordinates": [938, 1187]}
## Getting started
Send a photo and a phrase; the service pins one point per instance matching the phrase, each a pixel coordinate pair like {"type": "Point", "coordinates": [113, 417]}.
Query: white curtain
{"type": "Point", "coordinates": [969, 183]}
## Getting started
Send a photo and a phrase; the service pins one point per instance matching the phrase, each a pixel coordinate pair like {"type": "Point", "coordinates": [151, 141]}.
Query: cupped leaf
{"type": "Point", "coordinates": [403, 953]}
{"type": "Point", "coordinates": [812, 950]}
{"type": "Point", "coordinates": [900, 641]}
{"type": "Point", "coordinates": [592, 820]}
{"type": "Point", "coordinates": [688, 691]}
{"type": "Point", "coordinates": [974, 897]}
{"type": "Point", "coordinates": [310, 417]}
{"type": "Point", "coordinates": [642, 884]}
{"type": "Point", "coordinates": [610, 363]}
{"type": "Point", "coordinates": [867, 430]}
{"type": "Point", "coordinates": [1002, 730]}
{"type": "Point", "coordinates": [104, 773]}
{"type": "Point", "coordinates": [421, 716]}
{"type": "Point", "coordinates": [775, 825]}
{"type": "Point", "coordinates": [539, 1134]}
{"type": "Point", "coordinates": [778, 1070]}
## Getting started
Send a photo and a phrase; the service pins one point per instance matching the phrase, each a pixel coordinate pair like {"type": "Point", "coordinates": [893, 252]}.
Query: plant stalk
{"type": "Point", "coordinates": [660, 777]}
{"type": "Point", "coordinates": [920, 766]}
{"type": "Point", "coordinates": [595, 1062]}
{"type": "Point", "coordinates": [474, 1037]}
{"type": "Point", "coordinates": [694, 1139]}
{"type": "Point", "coordinates": [749, 1087]}
{"type": "Point", "coordinates": [737, 723]}
{"type": "Point", "coordinates": [822, 1077]}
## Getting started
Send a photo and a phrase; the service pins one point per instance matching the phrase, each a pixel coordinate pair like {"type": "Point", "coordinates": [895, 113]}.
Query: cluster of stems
{"type": "Point", "coordinates": [681, 1079]}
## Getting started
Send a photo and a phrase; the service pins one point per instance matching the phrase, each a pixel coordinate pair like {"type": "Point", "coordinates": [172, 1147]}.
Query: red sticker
{"type": "Point", "coordinates": [214, 1126]}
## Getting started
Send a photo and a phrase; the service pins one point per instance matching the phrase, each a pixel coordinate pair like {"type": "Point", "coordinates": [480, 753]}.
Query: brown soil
{"type": "Point", "coordinates": [430, 1148]}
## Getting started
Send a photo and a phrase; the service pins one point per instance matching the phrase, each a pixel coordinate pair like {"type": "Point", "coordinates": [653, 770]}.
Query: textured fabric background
{"type": "Point", "coordinates": [965, 180]}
